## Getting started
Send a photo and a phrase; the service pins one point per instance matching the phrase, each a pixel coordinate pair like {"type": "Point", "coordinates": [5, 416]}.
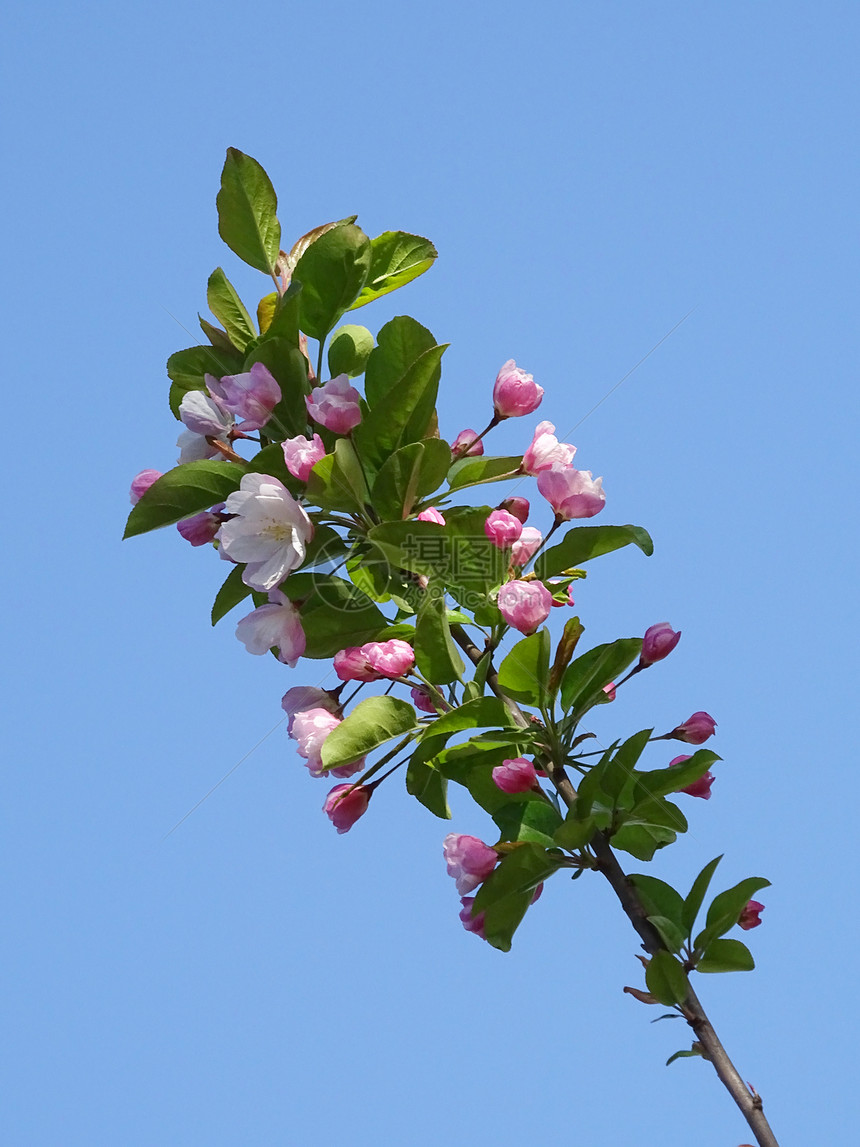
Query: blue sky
{"type": "Point", "coordinates": [590, 174]}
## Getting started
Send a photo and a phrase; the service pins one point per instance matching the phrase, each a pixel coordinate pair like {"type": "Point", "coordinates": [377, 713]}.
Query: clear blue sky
{"type": "Point", "coordinates": [590, 173]}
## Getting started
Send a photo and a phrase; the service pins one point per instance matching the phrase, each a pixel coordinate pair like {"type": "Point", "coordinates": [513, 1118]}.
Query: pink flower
{"type": "Point", "coordinates": [526, 546]}
{"type": "Point", "coordinates": [515, 392]}
{"type": "Point", "coordinates": [471, 923]}
{"type": "Point", "coordinates": [525, 604]}
{"type": "Point", "coordinates": [345, 804]}
{"type": "Point", "coordinates": [140, 483]}
{"type": "Point", "coordinates": [519, 507]}
{"type": "Point", "coordinates": [251, 396]}
{"type": "Point", "coordinates": [270, 531]}
{"type": "Point", "coordinates": [609, 690]}
{"type": "Point", "coordinates": [502, 529]}
{"type": "Point", "coordinates": [302, 697]}
{"type": "Point", "coordinates": [458, 446]}
{"type": "Point", "coordinates": [658, 642]}
{"type": "Point", "coordinates": [515, 776]}
{"type": "Point", "coordinates": [696, 729]}
{"type": "Point", "coordinates": [205, 415]}
{"type": "Point", "coordinates": [570, 600]}
{"type": "Point", "coordinates": [469, 860]}
{"type": "Point", "coordinates": [572, 493]}
{"type": "Point", "coordinates": [431, 514]}
{"type": "Point", "coordinates": [277, 625]}
{"type": "Point", "coordinates": [392, 658]}
{"type": "Point", "coordinates": [301, 454]}
{"type": "Point", "coordinates": [422, 700]}
{"type": "Point", "coordinates": [750, 918]}
{"type": "Point", "coordinates": [701, 787]}
{"type": "Point", "coordinates": [335, 405]}
{"type": "Point", "coordinates": [310, 727]}
{"type": "Point", "coordinates": [200, 529]}
{"type": "Point", "coordinates": [352, 665]}
{"type": "Point", "coordinates": [546, 451]}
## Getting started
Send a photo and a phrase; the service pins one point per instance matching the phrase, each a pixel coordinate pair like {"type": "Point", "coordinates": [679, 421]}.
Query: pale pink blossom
{"type": "Point", "coordinates": [270, 531]}
{"type": "Point", "coordinates": [696, 729]}
{"type": "Point", "coordinates": [276, 625]}
{"type": "Point", "coordinates": [251, 396]}
{"type": "Point", "coordinates": [392, 658]}
{"type": "Point", "coordinates": [517, 506]}
{"type": "Point", "coordinates": [572, 493]}
{"type": "Point", "coordinates": [422, 700]}
{"type": "Point", "coordinates": [345, 804]}
{"type": "Point", "coordinates": [140, 483]}
{"type": "Point", "coordinates": [335, 405]}
{"type": "Point", "coordinates": [309, 729]}
{"type": "Point", "coordinates": [502, 529]}
{"type": "Point", "coordinates": [546, 451]}
{"type": "Point", "coordinates": [525, 604]}
{"type": "Point", "coordinates": [750, 916]}
{"type": "Point", "coordinates": [205, 415]}
{"type": "Point", "coordinates": [469, 860]}
{"type": "Point", "coordinates": [515, 392]}
{"type": "Point", "coordinates": [515, 776]}
{"type": "Point", "coordinates": [526, 546]}
{"type": "Point", "coordinates": [201, 529]}
{"type": "Point", "coordinates": [302, 697]}
{"type": "Point", "coordinates": [658, 642]}
{"type": "Point", "coordinates": [195, 448]}
{"type": "Point", "coordinates": [701, 787]}
{"type": "Point", "coordinates": [352, 665]}
{"type": "Point", "coordinates": [471, 923]}
{"type": "Point", "coordinates": [458, 446]}
{"type": "Point", "coordinates": [301, 454]}
{"type": "Point", "coordinates": [431, 514]}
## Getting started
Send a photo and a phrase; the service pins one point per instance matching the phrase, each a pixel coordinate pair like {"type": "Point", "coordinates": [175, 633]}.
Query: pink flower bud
{"type": "Point", "coordinates": [471, 923]}
{"type": "Point", "coordinates": [200, 529]}
{"type": "Point", "coordinates": [701, 787]}
{"type": "Point", "coordinates": [251, 396]}
{"type": "Point", "coordinates": [392, 658]}
{"type": "Point", "coordinates": [546, 451]}
{"type": "Point", "coordinates": [301, 454]}
{"type": "Point", "coordinates": [352, 665]}
{"type": "Point", "coordinates": [277, 625]}
{"type": "Point", "coordinates": [309, 729]}
{"type": "Point", "coordinates": [658, 642]}
{"type": "Point", "coordinates": [515, 392]}
{"type": "Point", "coordinates": [572, 493]}
{"type": "Point", "coordinates": [458, 446]}
{"type": "Point", "coordinates": [696, 729]}
{"type": "Point", "coordinates": [422, 700]}
{"type": "Point", "coordinates": [469, 860]}
{"type": "Point", "coordinates": [302, 697]}
{"type": "Point", "coordinates": [345, 804]}
{"type": "Point", "coordinates": [526, 546]}
{"type": "Point", "coordinates": [609, 690]}
{"type": "Point", "coordinates": [335, 405]}
{"type": "Point", "coordinates": [515, 776]}
{"type": "Point", "coordinates": [431, 514]}
{"type": "Point", "coordinates": [140, 483]}
{"type": "Point", "coordinates": [750, 917]}
{"type": "Point", "coordinates": [525, 604]}
{"type": "Point", "coordinates": [502, 529]}
{"type": "Point", "coordinates": [519, 507]}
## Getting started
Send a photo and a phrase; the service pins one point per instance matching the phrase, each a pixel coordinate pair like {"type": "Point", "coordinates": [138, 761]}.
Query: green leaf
{"type": "Point", "coordinates": [669, 932]}
{"type": "Point", "coordinates": [726, 908]}
{"type": "Point", "coordinates": [574, 832]}
{"type": "Point", "coordinates": [473, 471]}
{"type": "Point", "coordinates": [337, 481]}
{"type": "Point", "coordinates": [183, 491]}
{"type": "Point", "coordinates": [524, 673]}
{"type": "Point", "coordinates": [435, 651]}
{"type": "Point", "coordinates": [289, 368]}
{"type": "Point", "coordinates": [585, 678]}
{"type": "Point", "coordinates": [428, 786]}
{"type": "Point", "coordinates": [726, 956]}
{"type": "Point", "coordinates": [405, 413]}
{"type": "Point", "coordinates": [335, 613]}
{"type": "Point", "coordinates": [371, 723]}
{"type": "Point", "coordinates": [247, 206]}
{"type": "Point", "coordinates": [396, 259]}
{"type": "Point", "coordinates": [349, 350]}
{"type": "Point", "coordinates": [332, 272]}
{"type": "Point", "coordinates": [665, 979]}
{"type": "Point", "coordinates": [692, 1054]}
{"type": "Point", "coordinates": [658, 898]}
{"type": "Point", "coordinates": [697, 894]}
{"type": "Point", "coordinates": [216, 336]}
{"type": "Point", "coordinates": [642, 840]}
{"type": "Point", "coordinates": [411, 473]}
{"type": "Point", "coordinates": [617, 774]}
{"type": "Point", "coordinates": [187, 369]}
{"type": "Point", "coordinates": [661, 782]}
{"type": "Point", "coordinates": [484, 712]}
{"type": "Point", "coordinates": [282, 321]}
{"type": "Point", "coordinates": [230, 594]}
{"type": "Point", "coordinates": [531, 820]}
{"type": "Point", "coordinates": [400, 343]}
{"type": "Point", "coordinates": [583, 543]}
{"type": "Point", "coordinates": [505, 895]}
{"type": "Point", "coordinates": [270, 460]}
{"type": "Point", "coordinates": [228, 308]}
{"type": "Point", "coordinates": [471, 765]}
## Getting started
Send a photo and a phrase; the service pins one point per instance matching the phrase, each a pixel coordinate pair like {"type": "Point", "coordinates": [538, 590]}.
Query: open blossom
{"type": "Point", "coordinates": [309, 729]}
{"type": "Point", "coordinates": [270, 531]}
{"type": "Point", "coordinates": [469, 860]}
{"type": "Point", "coordinates": [251, 396]}
{"type": "Point", "coordinates": [204, 414]}
{"type": "Point", "coordinates": [276, 625]}
{"type": "Point", "coordinates": [458, 446]}
{"type": "Point", "coordinates": [345, 804]}
{"type": "Point", "coordinates": [140, 483]}
{"type": "Point", "coordinates": [546, 451]}
{"type": "Point", "coordinates": [750, 917]}
{"type": "Point", "coordinates": [301, 454]}
{"type": "Point", "coordinates": [525, 604]}
{"type": "Point", "coordinates": [658, 642]}
{"type": "Point", "coordinates": [502, 529]}
{"type": "Point", "coordinates": [526, 545]}
{"type": "Point", "coordinates": [195, 448]}
{"type": "Point", "coordinates": [515, 776]}
{"type": "Point", "coordinates": [302, 697]}
{"type": "Point", "coordinates": [431, 514]}
{"type": "Point", "coordinates": [572, 493]}
{"type": "Point", "coordinates": [335, 405]}
{"type": "Point", "coordinates": [352, 665]}
{"type": "Point", "coordinates": [696, 729]}
{"type": "Point", "coordinates": [201, 529]}
{"type": "Point", "coordinates": [471, 923]}
{"type": "Point", "coordinates": [391, 658]}
{"type": "Point", "coordinates": [515, 392]}
{"type": "Point", "coordinates": [701, 787]}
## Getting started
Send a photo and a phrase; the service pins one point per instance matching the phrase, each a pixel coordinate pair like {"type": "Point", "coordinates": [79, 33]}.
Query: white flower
{"type": "Point", "coordinates": [274, 626]}
{"type": "Point", "coordinates": [270, 531]}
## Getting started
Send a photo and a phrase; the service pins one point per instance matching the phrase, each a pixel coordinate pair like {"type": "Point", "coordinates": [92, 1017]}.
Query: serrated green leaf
{"type": "Point", "coordinates": [583, 543]}
{"type": "Point", "coordinates": [435, 651]}
{"type": "Point", "coordinates": [505, 895]}
{"type": "Point", "coordinates": [372, 723]}
{"type": "Point", "coordinates": [332, 272]}
{"type": "Point", "coordinates": [411, 473]}
{"type": "Point", "coordinates": [658, 898]}
{"type": "Point", "coordinates": [665, 979]}
{"type": "Point", "coordinates": [476, 471]}
{"type": "Point", "coordinates": [247, 211]}
{"type": "Point", "coordinates": [484, 712]}
{"type": "Point", "coordinates": [531, 820]}
{"type": "Point", "coordinates": [585, 678]}
{"type": "Point", "coordinates": [335, 613]}
{"type": "Point", "coordinates": [726, 956]}
{"type": "Point", "coordinates": [396, 259]}
{"type": "Point", "coordinates": [697, 894]}
{"type": "Point", "coordinates": [404, 415]}
{"type": "Point", "coordinates": [183, 491]}
{"type": "Point", "coordinates": [524, 673]}
{"type": "Point", "coordinates": [661, 782]}
{"type": "Point", "coordinates": [216, 336]}
{"type": "Point", "coordinates": [400, 343]}
{"type": "Point", "coordinates": [428, 786]}
{"type": "Point", "coordinates": [337, 480]}
{"type": "Point", "coordinates": [642, 840]}
{"type": "Point", "coordinates": [224, 303]}
{"type": "Point", "coordinates": [574, 833]}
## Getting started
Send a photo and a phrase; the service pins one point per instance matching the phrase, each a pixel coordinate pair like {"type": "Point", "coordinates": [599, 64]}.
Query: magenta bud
{"type": "Point", "coordinates": [515, 776]}
{"type": "Point", "coordinates": [465, 444]}
{"type": "Point", "coordinates": [469, 860]}
{"type": "Point", "coordinates": [503, 529]}
{"type": "Point", "coordinates": [345, 804]}
{"type": "Point", "coordinates": [525, 605]}
{"type": "Point", "coordinates": [515, 392]}
{"type": "Point", "coordinates": [140, 483]}
{"type": "Point", "coordinates": [658, 642]}
{"type": "Point", "coordinates": [701, 787]}
{"type": "Point", "coordinates": [431, 514]}
{"type": "Point", "coordinates": [750, 917]}
{"type": "Point", "coordinates": [696, 729]}
{"type": "Point", "coordinates": [519, 507]}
